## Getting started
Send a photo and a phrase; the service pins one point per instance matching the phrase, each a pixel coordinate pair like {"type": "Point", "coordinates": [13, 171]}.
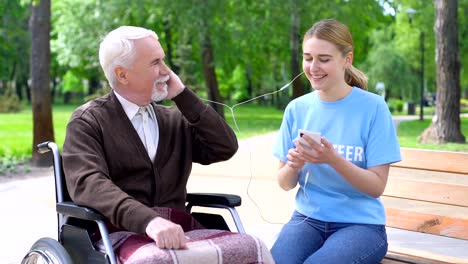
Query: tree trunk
{"type": "Point", "coordinates": [15, 82]}
{"type": "Point", "coordinates": [39, 25]}
{"type": "Point", "coordinates": [54, 82]}
{"type": "Point", "coordinates": [209, 72]}
{"type": "Point", "coordinates": [294, 45]}
{"type": "Point", "coordinates": [93, 84]}
{"type": "Point", "coordinates": [445, 126]}
{"type": "Point", "coordinates": [248, 76]}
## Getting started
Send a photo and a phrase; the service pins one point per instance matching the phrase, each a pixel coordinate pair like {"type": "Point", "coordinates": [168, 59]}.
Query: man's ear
{"type": "Point", "coordinates": [121, 74]}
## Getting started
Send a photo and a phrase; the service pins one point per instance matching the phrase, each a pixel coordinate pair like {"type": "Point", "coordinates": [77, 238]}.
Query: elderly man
{"type": "Point", "coordinates": [130, 158]}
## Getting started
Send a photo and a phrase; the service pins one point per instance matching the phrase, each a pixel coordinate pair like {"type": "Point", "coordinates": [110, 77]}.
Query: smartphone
{"type": "Point", "coordinates": [314, 135]}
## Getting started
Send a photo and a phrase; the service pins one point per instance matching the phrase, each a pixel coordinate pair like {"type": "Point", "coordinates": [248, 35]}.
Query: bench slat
{"type": "Point", "coordinates": [427, 223]}
{"type": "Point", "coordinates": [444, 161]}
{"type": "Point", "coordinates": [443, 193]}
{"type": "Point", "coordinates": [390, 260]}
{"type": "Point", "coordinates": [408, 255]}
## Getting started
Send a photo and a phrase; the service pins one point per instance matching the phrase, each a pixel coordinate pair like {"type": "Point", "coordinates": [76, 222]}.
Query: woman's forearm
{"type": "Point", "coordinates": [371, 181]}
{"type": "Point", "coordinates": [287, 176]}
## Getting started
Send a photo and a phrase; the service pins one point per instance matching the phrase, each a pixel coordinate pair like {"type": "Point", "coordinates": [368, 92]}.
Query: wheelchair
{"type": "Point", "coordinates": [76, 224]}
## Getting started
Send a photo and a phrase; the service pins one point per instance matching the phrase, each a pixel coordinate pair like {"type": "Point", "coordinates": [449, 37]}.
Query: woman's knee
{"type": "Point", "coordinates": [296, 241]}
{"type": "Point", "coordinates": [353, 244]}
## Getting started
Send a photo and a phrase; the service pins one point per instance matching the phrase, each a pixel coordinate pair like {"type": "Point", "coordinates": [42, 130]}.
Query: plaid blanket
{"type": "Point", "coordinates": [204, 245]}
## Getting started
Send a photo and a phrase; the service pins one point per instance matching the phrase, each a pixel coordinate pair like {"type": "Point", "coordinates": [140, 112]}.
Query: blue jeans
{"type": "Point", "coordinates": [306, 240]}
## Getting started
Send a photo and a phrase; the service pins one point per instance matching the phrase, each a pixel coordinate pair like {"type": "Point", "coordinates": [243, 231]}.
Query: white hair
{"type": "Point", "coordinates": [117, 49]}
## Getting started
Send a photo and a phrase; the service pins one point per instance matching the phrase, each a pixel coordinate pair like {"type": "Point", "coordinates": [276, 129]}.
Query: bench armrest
{"type": "Point", "coordinates": [77, 211]}
{"type": "Point", "coordinates": [207, 199]}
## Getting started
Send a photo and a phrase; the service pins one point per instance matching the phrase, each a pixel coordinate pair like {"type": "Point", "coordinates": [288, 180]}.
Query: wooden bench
{"type": "Point", "coordinates": [427, 192]}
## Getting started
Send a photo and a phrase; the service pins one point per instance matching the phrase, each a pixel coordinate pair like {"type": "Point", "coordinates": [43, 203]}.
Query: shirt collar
{"type": "Point", "coordinates": [130, 108]}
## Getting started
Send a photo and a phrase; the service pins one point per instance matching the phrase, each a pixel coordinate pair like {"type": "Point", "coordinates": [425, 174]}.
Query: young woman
{"type": "Point", "coordinates": [339, 217]}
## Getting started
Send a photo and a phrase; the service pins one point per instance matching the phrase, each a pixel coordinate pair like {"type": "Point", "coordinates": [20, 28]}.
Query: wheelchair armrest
{"type": "Point", "coordinates": [77, 211]}
{"type": "Point", "coordinates": [204, 199]}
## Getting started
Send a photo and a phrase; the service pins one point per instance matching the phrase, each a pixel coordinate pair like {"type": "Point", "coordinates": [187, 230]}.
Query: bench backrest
{"type": "Point", "coordinates": [425, 203]}
{"type": "Point", "coordinates": [434, 160]}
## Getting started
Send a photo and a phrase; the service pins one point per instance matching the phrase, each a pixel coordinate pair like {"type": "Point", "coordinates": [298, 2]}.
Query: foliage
{"type": "Point", "coordinates": [71, 82]}
{"type": "Point", "coordinates": [464, 104]}
{"type": "Point", "coordinates": [239, 84]}
{"type": "Point", "coordinates": [250, 39]}
{"type": "Point", "coordinates": [463, 44]}
{"type": "Point", "coordinates": [394, 71]}
{"type": "Point", "coordinates": [399, 105]}
{"type": "Point", "coordinates": [245, 35]}
{"type": "Point", "coordinates": [250, 35]}
{"type": "Point", "coordinates": [10, 103]}
{"type": "Point", "coordinates": [98, 93]}
{"type": "Point", "coordinates": [234, 86]}
{"type": "Point", "coordinates": [395, 105]}
{"type": "Point", "coordinates": [11, 164]}
{"type": "Point", "coordinates": [407, 38]}
{"type": "Point", "coordinates": [14, 46]}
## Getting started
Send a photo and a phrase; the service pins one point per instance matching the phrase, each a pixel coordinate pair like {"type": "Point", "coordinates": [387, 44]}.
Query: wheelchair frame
{"type": "Point", "coordinates": [74, 244]}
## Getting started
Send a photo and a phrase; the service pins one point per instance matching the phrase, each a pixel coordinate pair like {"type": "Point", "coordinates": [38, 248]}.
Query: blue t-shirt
{"type": "Point", "coordinates": [361, 129]}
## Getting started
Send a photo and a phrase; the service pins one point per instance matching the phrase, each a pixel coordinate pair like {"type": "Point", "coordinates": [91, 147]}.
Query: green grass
{"type": "Point", "coordinates": [16, 129]}
{"type": "Point", "coordinates": [409, 131]}
{"type": "Point", "coordinates": [253, 120]}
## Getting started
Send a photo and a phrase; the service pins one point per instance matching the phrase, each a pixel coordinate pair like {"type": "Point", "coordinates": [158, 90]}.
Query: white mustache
{"type": "Point", "coordinates": [163, 79]}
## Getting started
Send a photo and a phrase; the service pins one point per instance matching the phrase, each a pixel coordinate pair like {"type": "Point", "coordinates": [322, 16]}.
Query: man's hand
{"type": "Point", "coordinates": [174, 86]}
{"type": "Point", "coordinates": [166, 234]}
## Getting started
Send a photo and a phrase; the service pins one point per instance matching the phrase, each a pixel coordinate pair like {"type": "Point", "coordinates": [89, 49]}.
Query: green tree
{"type": "Point", "coordinates": [14, 43]}
{"type": "Point", "coordinates": [445, 126]}
{"type": "Point", "coordinates": [80, 25]}
{"type": "Point", "coordinates": [463, 45]}
{"type": "Point", "coordinates": [407, 41]}
{"type": "Point", "coordinates": [394, 71]}
{"type": "Point", "coordinates": [203, 38]}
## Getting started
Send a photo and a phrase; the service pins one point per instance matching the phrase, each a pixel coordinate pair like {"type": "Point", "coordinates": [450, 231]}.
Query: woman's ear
{"type": "Point", "coordinates": [349, 60]}
{"type": "Point", "coordinates": [121, 74]}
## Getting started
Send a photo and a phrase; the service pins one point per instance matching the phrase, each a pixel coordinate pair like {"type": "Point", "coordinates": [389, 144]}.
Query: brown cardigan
{"type": "Point", "coordinates": [107, 167]}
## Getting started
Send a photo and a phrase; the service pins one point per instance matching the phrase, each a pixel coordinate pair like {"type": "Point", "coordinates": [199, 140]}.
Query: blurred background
{"type": "Point", "coordinates": [227, 51]}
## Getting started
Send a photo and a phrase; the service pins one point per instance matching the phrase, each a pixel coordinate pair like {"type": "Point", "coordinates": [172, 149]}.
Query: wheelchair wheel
{"type": "Point", "coordinates": [47, 251]}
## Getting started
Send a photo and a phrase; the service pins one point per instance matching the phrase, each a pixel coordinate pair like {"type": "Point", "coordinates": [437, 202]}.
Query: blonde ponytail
{"type": "Point", "coordinates": [355, 77]}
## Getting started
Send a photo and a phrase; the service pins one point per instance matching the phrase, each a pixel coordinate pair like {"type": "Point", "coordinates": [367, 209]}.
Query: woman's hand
{"type": "Point", "coordinates": [311, 151]}
{"type": "Point", "coordinates": [288, 172]}
{"type": "Point", "coordinates": [371, 181]}
{"type": "Point", "coordinates": [294, 159]}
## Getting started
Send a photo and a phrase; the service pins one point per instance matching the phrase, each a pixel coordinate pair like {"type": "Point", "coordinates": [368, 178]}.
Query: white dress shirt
{"type": "Point", "coordinates": [132, 111]}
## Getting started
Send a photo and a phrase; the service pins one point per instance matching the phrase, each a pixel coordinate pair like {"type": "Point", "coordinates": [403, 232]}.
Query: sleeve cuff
{"type": "Point", "coordinates": [190, 105]}
{"type": "Point", "coordinates": [141, 219]}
